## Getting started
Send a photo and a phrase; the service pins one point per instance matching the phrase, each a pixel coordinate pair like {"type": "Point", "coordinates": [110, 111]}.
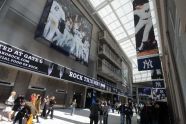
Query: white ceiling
{"type": "Point", "coordinates": [118, 17]}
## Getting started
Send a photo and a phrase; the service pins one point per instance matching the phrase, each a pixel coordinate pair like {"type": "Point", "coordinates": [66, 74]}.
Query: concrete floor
{"type": "Point", "coordinates": [62, 116]}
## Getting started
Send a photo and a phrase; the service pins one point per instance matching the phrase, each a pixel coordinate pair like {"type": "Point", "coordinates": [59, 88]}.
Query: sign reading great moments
{"type": "Point", "coordinates": [16, 57]}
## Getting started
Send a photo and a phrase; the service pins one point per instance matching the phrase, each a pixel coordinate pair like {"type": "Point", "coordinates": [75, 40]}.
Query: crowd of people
{"type": "Point", "coordinates": [20, 110]}
{"type": "Point", "coordinates": [153, 112]}
{"type": "Point", "coordinates": [100, 109]}
{"type": "Point", "coordinates": [150, 112]}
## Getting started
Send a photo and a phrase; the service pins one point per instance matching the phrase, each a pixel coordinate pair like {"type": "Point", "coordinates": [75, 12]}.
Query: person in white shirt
{"type": "Point", "coordinates": [63, 38]}
{"type": "Point", "coordinates": [85, 50]}
{"type": "Point", "coordinates": [55, 16]}
{"type": "Point", "coordinates": [10, 103]}
{"type": "Point", "coordinates": [77, 37]}
{"type": "Point", "coordinates": [144, 14]}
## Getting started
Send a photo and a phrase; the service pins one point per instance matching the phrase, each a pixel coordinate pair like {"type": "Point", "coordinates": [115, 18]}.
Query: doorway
{"type": "Point", "coordinates": [78, 97]}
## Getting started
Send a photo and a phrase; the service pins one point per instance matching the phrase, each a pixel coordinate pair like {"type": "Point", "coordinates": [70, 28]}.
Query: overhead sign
{"type": "Point", "coordinates": [82, 79]}
{"type": "Point", "coordinates": [157, 74]}
{"type": "Point", "coordinates": [159, 94]}
{"type": "Point", "coordinates": [142, 91]}
{"type": "Point", "coordinates": [150, 63]}
{"type": "Point", "coordinates": [158, 84]}
{"type": "Point", "coordinates": [146, 44]}
{"type": "Point", "coordinates": [16, 57]}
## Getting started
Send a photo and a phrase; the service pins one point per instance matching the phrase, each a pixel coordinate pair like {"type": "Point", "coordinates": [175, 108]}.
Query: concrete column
{"type": "Point", "coordinates": [22, 82]}
{"type": "Point", "coordinates": [69, 95]}
{"type": "Point", "coordinates": [84, 97]}
{"type": "Point", "coordinates": [137, 95]}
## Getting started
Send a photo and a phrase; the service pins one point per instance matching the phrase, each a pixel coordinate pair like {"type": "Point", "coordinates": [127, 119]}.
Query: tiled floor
{"type": "Point", "coordinates": [62, 116]}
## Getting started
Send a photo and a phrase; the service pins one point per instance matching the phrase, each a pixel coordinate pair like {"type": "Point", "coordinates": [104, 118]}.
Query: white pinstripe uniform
{"type": "Point", "coordinates": [86, 46]}
{"type": "Point", "coordinates": [56, 13]}
{"type": "Point", "coordinates": [63, 39]}
{"type": "Point", "coordinates": [144, 20]}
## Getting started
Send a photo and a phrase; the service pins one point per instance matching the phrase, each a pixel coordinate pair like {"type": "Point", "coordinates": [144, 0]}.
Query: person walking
{"type": "Point", "coordinates": [10, 103]}
{"type": "Point", "coordinates": [38, 107]}
{"type": "Point", "coordinates": [33, 98]}
{"type": "Point", "coordinates": [94, 109]}
{"type": "Point", "coordinates": [73, 107]}
{"type": "Point", "coordinates": [52, 102]}
{"type": "Point", "coordinates": [129, 114]}
{"type": "Point", "coordinates": [105, 113]}
{"type": "Point", "coordinates": [101, 113]}
{"type": "Point", "coordinates": [156, 113]}
{"type": "Point", "coordinates": [45, 106]}
{"type": "Point", "coordinates": [122, 110]}
{"type": "Point", "coordinates": [17, 104]}
{"type": "Point", "coordinates": [149, 111]}
{"type": "Point", "coordinates": [24, 111]}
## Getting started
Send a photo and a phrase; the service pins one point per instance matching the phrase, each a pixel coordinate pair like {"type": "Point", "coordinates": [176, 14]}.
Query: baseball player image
{"type": "Point", "coordinates": [65, 37]}
{"type": "Point", "coordinates": [85, 50]}
{"type": "Point", "coordinates": [66, 29]}
{"type": "Point", "coordinates": [56, 18]}
{"type": "Point", "coordinates": [142, 10]}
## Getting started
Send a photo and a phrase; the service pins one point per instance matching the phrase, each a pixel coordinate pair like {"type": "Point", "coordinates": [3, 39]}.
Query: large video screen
{"type": "Point", "coordinates": [66, 29]}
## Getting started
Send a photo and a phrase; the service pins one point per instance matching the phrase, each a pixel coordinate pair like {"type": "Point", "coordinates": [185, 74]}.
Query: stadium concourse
{"type": "Point", "coordinates": [62, 116]}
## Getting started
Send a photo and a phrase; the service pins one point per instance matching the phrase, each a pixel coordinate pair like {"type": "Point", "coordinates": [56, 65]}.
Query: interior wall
{"type": "Point", "coordinates": [173, 42]}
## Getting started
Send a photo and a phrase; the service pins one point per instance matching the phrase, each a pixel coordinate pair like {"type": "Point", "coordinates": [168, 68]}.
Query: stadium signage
{"type": "Point", "coordinates": [16, 57]}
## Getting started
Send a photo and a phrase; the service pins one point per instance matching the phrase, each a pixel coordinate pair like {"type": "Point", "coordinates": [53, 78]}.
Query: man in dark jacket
{"type": "Point", "coordinates": [129, 114]}
{"type": "Point", "coordinates": [94, 109]}
{"type": "Point", "coordinates": [25, 111]}
{"type": "Point", "coordinates": [122, 110]}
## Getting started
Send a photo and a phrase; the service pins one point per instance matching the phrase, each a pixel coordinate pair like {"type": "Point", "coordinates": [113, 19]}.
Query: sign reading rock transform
{"type": "Point", "coordinates": [16, 57]}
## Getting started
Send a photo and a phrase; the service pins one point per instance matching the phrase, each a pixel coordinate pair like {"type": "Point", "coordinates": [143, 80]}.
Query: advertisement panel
{"type": "Point", "coordinates": [65, 29]}
{"type": "Point", "coordinates": [146, 43]}
{"type": "Point", "coordinates": [157, 74]}
{"type": "Point", "coordinates": [19, 58]}
{"type": "Point", "coordinates": [144, 91]}
{"type": "Point", "coordinates": [158, 84]}
{"type": "Point", "coordinates": [150, 63]}
{"type": "Point", "coordinates": [16, 57]}
{"type": "Point", "coordinates": [159, 94]}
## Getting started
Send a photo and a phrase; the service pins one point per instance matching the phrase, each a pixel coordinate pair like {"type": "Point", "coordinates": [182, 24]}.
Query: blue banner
{"type": "Point", "coordinates": [158, 84]}
{"type": "Point", "coordinates": [157, 74]}
{"type": "Point", "coordinates": [144, 91]}
{"type": "Point", "coordinates": [159, 94]}
{"type": "Point", "coordinates": [150, 63]}
{"type": "Point", "coordinates": [146, 43]}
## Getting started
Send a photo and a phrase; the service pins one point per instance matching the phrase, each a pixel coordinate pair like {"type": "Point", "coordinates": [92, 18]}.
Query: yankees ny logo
{"type": "Point", "coordinates": [147, 64]}
{"type": "Point", "coordinates": [161, 92]}
{"type": "Point", "coordinates": [158, 84]}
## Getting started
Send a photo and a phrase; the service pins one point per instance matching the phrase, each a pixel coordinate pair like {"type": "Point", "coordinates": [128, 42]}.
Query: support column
{"type": "Point", "coordinates": [69, 95]}
{"type": "Point", "coordinates": [22, 82]}
{"type": "Point", "coordinates": [84, 98]}
{"type": "Point", "coordinates": [137, 95]}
